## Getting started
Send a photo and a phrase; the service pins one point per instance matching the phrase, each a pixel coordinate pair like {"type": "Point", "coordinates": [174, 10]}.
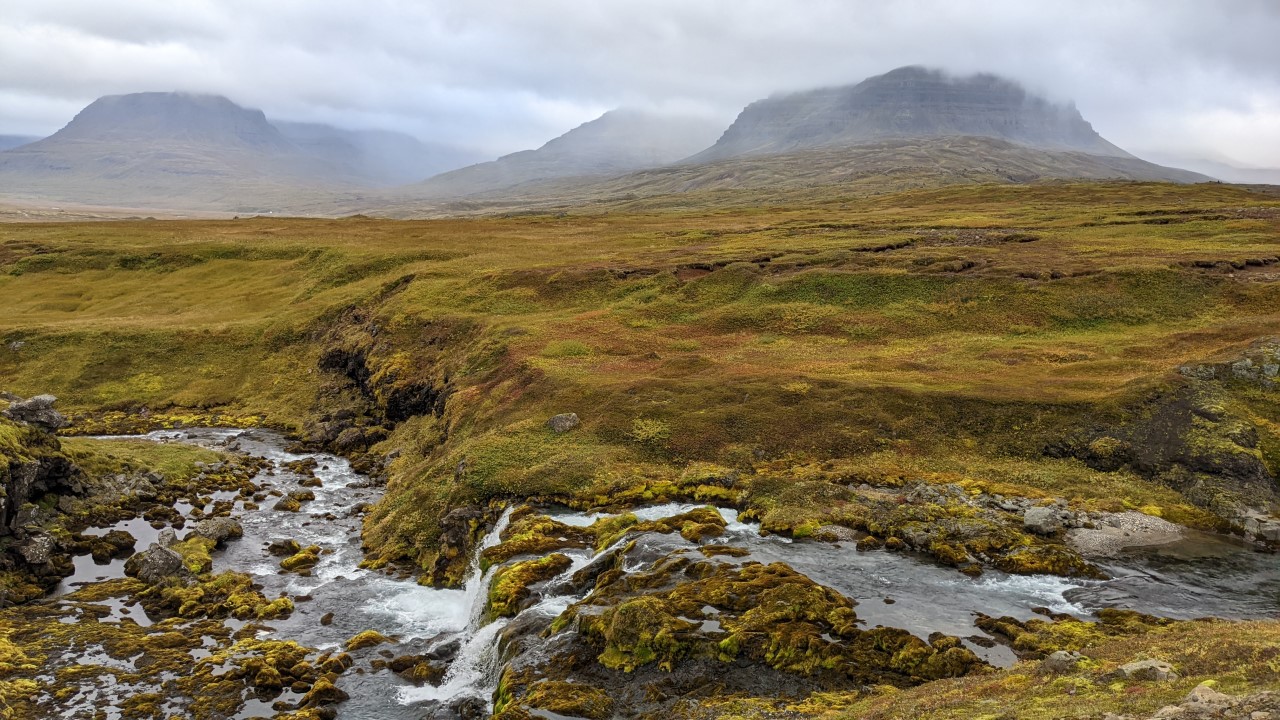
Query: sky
{"type": "Point", "coordinates": [1190, 78]}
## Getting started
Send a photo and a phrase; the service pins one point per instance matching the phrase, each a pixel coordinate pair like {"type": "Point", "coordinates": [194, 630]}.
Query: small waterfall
{"type": "Point", "coordinates": [474, 672]}
{"type": "Point", "coordinates": [477, 585]}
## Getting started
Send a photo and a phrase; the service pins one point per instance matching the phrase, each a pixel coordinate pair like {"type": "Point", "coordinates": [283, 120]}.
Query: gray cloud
{"type": "Point", "coordinates": [1177, 76]}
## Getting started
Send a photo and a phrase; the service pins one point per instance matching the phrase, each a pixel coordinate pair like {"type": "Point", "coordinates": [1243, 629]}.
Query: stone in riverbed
{"type": "Point", "coordinates": [116, 543]}
{"type": "Point", "coordinates": [368, 638]}
{"type": "Point", "coordinates": [564, 422]}
{"type": "Point", "coordinates": [219, 529]}
{"type": "Point", "coordinates": [1041, 520]}
{"type": "Point", "coordinates": [155, 564]}
{"type": "Point", "coordinates": [324, 692]}
{"type": "Point", "coordinates": [284, 547]}
{"type": "Point", "coordinates": [287, 504]}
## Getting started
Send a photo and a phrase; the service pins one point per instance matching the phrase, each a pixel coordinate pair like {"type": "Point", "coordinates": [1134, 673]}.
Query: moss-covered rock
{"type": "Point", "coordinates": [510, 586]}
{"type": "Point", "coordinates": [368, 638]}
{"type": "Point", "coordinates": [302, 561]}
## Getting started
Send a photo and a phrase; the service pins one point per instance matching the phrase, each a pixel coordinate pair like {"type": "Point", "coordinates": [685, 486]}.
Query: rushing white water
{"type": "Point", "coordinates": [473, 673]}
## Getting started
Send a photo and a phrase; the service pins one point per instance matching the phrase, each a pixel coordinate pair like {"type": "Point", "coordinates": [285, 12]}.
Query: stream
{"type": "Point", "coordinates": [1198, 576]}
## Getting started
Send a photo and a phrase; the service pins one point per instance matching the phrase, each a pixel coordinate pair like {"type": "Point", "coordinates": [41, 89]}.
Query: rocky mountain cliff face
{"type": "Point", "coordinates": [617, 142]}
{"type": "Point", "coordinates": [910, 102]}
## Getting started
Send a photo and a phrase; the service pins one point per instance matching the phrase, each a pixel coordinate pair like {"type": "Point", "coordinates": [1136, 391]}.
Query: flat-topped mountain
{"type": "Point", "coordinates": [617, 142]}
{"type": "Point", "coordinates": [172, 116]}
{"type": "Point", "coordinates": [166, 150]}
{"type": "Point", "coordinates": [184, 150]}
{"type": "Point", "coordinates": [910, 102]}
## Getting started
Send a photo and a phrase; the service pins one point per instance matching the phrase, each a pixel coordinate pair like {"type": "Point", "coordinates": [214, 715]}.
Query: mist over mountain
{"type": "Point", "coordinates": [160, 117]}
{"type": "Point", "coordinates": [908, 127]}
{"type": "Point", "coordinates": [380, 157]}
{"type": "Point", "coordinates": [617, 142]}
{"type": "Point", "coordinates": [909, 102]}
{"type": "Point", "coordinates": [1219, 169]}
{"type": "Point", "coordinates": [12, 141]}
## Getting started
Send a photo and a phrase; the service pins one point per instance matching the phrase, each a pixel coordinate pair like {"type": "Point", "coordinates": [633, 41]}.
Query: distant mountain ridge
{"type": "Point", "coordinates": [905, 103]}
{"type": "Point", "coordinates": [906, 128]}
{"type": "Point", "coordinates": [175, 149]}
{"type": "Point", "coordinates": [378, 157]}
{"type": "Point", "coordinates": [617, 142]}
{"type": "Point", "coordinates": [13, 141]}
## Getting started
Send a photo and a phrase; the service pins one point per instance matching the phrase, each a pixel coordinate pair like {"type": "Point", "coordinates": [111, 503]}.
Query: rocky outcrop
{"type": "Point", "coordinates": [32, 467]}
{"type": "Point", "coordinates": [1199, 439]}
{"type": "Point", "coordinates": [1042, 520]}
{"type": "Point", "coordinates": [38, 411]}
{"type": "Point", "coordinates": [1259, 365]}
{"type": "Point", "coordinates": [645, 639]}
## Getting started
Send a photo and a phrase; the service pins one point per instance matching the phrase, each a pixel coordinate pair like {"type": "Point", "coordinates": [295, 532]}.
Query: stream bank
{"type": "Point", "coordinates": [881, 617]}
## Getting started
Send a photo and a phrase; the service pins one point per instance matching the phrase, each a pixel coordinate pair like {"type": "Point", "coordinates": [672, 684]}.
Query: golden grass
{"type": "Point", "coordinates": [967, 321]}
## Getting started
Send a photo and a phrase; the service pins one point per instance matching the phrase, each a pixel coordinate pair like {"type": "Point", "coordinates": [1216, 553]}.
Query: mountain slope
{"type": "Point", "coordinates": [910, 102]}
{"type": "Point", "coordinates": [876, 168]}
{"type": "Point", "coordinates": [617, 142]}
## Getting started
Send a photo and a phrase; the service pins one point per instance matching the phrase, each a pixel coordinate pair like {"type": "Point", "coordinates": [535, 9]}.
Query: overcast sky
{"type": "Point", "coordinates": [1190, 77]}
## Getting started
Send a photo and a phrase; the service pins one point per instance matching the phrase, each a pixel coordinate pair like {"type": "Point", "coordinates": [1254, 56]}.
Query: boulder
{"type": "Point", "coordinates": [38, 550]}
{"type": "Point", "coordinates": [167, 537]}
{"type": "Point", "coordinates": [1062, 661]}
{"type": "Point", "coordinates": [37, 411]}
{"type": "Point", "coordinates": [1147, 671]}
{"type": "Point", "coordinates": [1042, 520]}
{"type": "Point", "coordinates": [564, 422]}
{"type": "Point", "coordinates": [1205, 697]}
{"type": "Point", "coordinates": [219, 529]}
{"type": "Point", "coordinates": [155, 564]}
